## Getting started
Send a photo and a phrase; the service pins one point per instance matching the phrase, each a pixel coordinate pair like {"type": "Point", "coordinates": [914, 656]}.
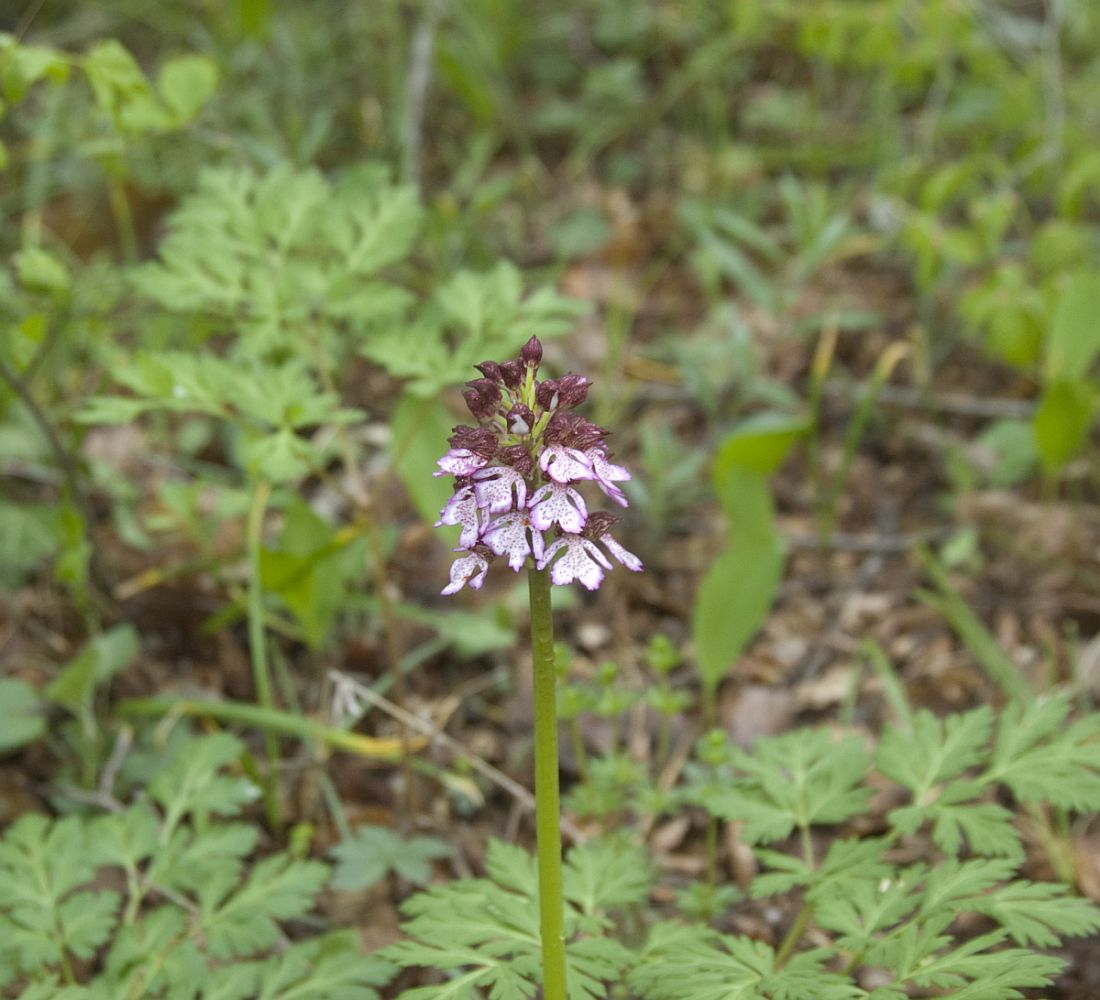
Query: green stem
{"type": "Point", "coordinates": [793, 935]}
{"type": "Point", "coordinates": [547, 804]}
{"type": "Point", "coordinates": [257, 646]}
{"type": "Point", "coordinates": [269, 720]}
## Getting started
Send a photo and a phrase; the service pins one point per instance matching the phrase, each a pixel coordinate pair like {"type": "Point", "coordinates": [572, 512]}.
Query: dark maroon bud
{"type": "Point", "coordinates": [482, 397]}
{"type": "Point", "coordinates": [518, 457]}
{"type": "Point", "coordinates": [520, 419]}
{"type": "Point", "coordinates": [546, 393]}
{"type": "Point", "coordinates": [599, 523]}
{"type": "Point", "coordinates": [491, 370]}
{"type": "Point", "coordinates": [512, 373]}
{"type": "Point", "coordinates": [573, 431]}
{"type": "Point", "coordinates": [480, 440]}
{"type": "Point", "coordinates": [531, 355]}
{"type": "Point", "coordinates": [573, 389]}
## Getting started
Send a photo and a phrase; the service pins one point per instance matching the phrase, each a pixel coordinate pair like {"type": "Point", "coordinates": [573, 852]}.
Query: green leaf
{"type": "Point", "coordinates": [277, 888]}
{"type": "Point", "coordinates": [1044, 760]}
{"type": "Point", "coordinates": [186, 83]}
{"type": "Point", "coordinates": [934, 750]}
{"type": "Point", "coordinates": [605, 874]}
{"type": "Point", "coordinates": [420, 428]}
{"type": "Point", "coordinates": [681, 962]}
{"type": "Point", "coordinates": [95, 664]}
{"type": "Point", "coordinates": [40, 864]}
{"type": "Point", "coordinates": [192, 784]}
{"type": "Point", "coordinates": [87, 919]}
{"type": "Point", "coordinates": [312, 569]}
{"type": "Point", "coordinates": [28, 535]}
{"type": "Point", "coordinates": [739, 587]}
{"type": "Point", "coordinates": [325, 968]}
{"type": "Point", "coordinates": [41, 271]}
{"type": "Point", "coordinates": [1062, 421]}
{"type": "Point", "coordinates": [797, 779]}
{"type": "Point", "coordinates": [759, 444]}
{"type": "Point", "coordinates": [1039, 913]}
{"type": "Point", "coordinates": [1074, 340]}
{"type": "Point", "coordinates": [21, 721]}
{"type": "Point", "coordinates": [373, 851]}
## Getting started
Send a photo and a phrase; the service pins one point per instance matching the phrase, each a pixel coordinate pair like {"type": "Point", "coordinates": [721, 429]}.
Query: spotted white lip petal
{"type": "Point", "coordinates": [471, 569]}
{"type": "Point", "coordinates": [459, 462]}
{"type": "Point", "coordinates": [565, 465]}
{"type": "Point", "coordinates": [493, 488]}
{"type": "Point", "coordinates": [627, 558]}
{"type": "Point", "coordinates": [507, 536]}
{"type": "Point", "coordinates": [557, 504]}
{"type": "Point", "coordinates": [462, 509]}
{"type": "Point", "coordinates": [581, 560]}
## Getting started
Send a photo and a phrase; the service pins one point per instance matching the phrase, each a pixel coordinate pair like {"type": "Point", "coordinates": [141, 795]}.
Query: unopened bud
{"type": "Point", "coordinates": [531, 355]}
{"type": "Point", "coordinates": [573, 389]}
{"type": "Point", "coordinates": [482, 397]}
{"type": "Point", "coordinates": [546, 394]}
{"type": "Point", "coordinates": [491, 370]}
{"type": "Point", "coordinates": [512, 373]}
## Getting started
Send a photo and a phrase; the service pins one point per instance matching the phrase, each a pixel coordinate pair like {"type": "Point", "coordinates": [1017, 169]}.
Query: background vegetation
{"type": "Point", "coordinates": [833, 267]}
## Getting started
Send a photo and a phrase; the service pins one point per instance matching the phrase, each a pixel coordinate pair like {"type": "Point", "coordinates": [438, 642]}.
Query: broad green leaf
{"type": "Point", "coordinates": [1062, 421]}
{"type": "Point", "coordinates": [99, 660]}
{"type": "Point", "coordinates": [186, 83]}
{"type": "Point", "coordinates": [21, 721]}
{"type": "Point", "coordinates": [739, 587]}
{"type": "Point", "coordinates": [420, 428]}
{"type": "Point", "coordinates": [759, 444]}
{"type": "Point", "coordinates": [1074, 340]}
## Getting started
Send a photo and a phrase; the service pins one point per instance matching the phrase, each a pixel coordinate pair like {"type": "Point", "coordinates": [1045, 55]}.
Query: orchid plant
{"type": "Point", "coordinates": [516, 478]}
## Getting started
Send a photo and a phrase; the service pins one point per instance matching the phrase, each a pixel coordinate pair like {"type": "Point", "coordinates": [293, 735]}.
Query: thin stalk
{"type": "Point", "coordinates": [547, 799]}
{"type": "Point", "coordinates": [271, 721]}
{"type": "Point", "coordinates": [804, 915]}
{"type": "Point", "coordinates": [257, 647]}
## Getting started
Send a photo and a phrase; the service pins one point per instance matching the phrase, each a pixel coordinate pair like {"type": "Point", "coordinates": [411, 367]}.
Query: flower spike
{"type": "Point", "coordinates": [517, 473]}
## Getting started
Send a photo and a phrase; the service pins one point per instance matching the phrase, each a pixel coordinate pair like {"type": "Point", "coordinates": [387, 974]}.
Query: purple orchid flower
{"type": "Point", "coordinates": [516, 477]}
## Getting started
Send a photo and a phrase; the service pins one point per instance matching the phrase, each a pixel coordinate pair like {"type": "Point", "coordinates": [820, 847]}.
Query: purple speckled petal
{"type": "Point", "coordinates": [557, 504]}
{"type": "Point", "coordinates": [493, 489]}
{"type": "Point", "coordinates": [565, 465]}
{"type": "Point", "coordinates": [471, 569]}
{"type": "Point", "coordinates": [507, 536]}
{"type": "Point", "coordinates": [607, 475]}
{"type": "Point", "coordinates": [575, 563]}
{"type": "Point", "coordinates": [459, 462]}
{"type": "Point", "coordinates": [628, 559]}
{"type": "Point", "coordinates": [462, 509]}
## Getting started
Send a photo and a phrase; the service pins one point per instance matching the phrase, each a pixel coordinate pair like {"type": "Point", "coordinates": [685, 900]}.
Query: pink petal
{"type": "Point", "coordinates": [575, 563]}
{"type": "Point", "coordinates": [628, 559]}
{"type": "Point", "coordinates": [471, 569]}
{"type": "Point", "coordinates": [462, 509]}
{"type": "Point", "coordinates": [607, 474]}
{"type": "Point", "coordinates": [507, 536]}
{"type": "Point", "coordinates": [565, 465]}
{"type": "Point", "coordinates": [459, 462]}
{"type": "Point", "coordinates": [551, 505]}
{"type": "Point", "coordinates": [493, 488]}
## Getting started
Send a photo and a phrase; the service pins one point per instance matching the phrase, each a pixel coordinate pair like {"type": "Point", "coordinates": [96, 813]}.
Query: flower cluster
{"type": "Point", "coordinates": [516, 477]}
